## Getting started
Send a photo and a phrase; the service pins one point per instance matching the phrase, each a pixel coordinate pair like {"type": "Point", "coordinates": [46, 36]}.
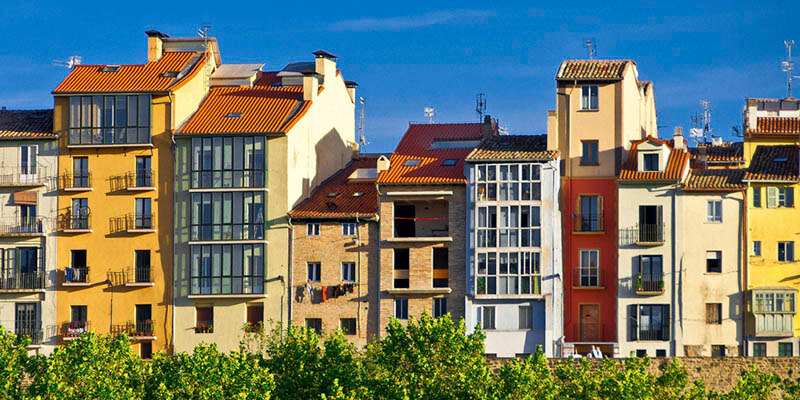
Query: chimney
{"type": "Point", "coordinates": [310, 85]}
{"type": "Point", "coordinates": [552, 130]}
{"type": "Point", "coordinates": [383, 164]}
{"type": "Point", "coordinates": [155, 45]}
{"type": "Point", "coordinates": [325, 64]}
{"type": "Point", "coordinates": [489, 127]}
{"type": "Point", "coordinates": [351, 89]}
{"type": "Point", "coordinates": [677, 137]}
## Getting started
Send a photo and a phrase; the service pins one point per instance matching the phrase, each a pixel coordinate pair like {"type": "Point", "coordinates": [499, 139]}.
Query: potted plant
{"type": "Point", "coordinates": [251, 327]}
{"type": "Point", "coordinates": [661, 285]}
{"type": "Point", "coordinates": [639, 282]}
{"type": "Point", "coordinates": [204, 327]}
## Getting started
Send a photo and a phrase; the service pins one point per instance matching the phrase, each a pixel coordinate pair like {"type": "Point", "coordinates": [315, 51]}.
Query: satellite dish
{"type": "Point", "coordinates": [430, 112]}
{"type": "Point", "coordinates": [70, 63]}
{"type": "Point", "coordinates": [695, 132]}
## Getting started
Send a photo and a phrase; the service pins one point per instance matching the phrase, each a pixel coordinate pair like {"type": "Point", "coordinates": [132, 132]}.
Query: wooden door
{"type": "Point", "coordinates": [590, 322]}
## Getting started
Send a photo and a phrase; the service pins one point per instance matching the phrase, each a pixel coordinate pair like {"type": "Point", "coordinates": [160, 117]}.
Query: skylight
{"type": "Point", "coordinates": [411, 162]}
{"type": "Point", "coordinates": [449, 162]}
{"type": "Point", "coordinates": [111, 68]}
{"type": "Point", "coordinates": [170, 74]}
{"type": "Point", "coordinates": [358, 194]}
{"type": "Point", "coordinates": [454, 144]}
{"type": "Point", "coordinates": [780, 159]}
{"type": "Point", "coordinates": [234, 115]}
{"type": "Point", "coordinates": [332, 194]}
{"type": "Point", "coordinates": [365, 174]}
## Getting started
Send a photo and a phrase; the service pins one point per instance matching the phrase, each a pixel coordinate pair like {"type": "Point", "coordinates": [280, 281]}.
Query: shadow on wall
{"type": "Point", "coordinates": [332, 154]}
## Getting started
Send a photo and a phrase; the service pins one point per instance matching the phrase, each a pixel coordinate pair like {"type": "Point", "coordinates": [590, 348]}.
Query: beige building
{"type": "Point", "coordinates": [334, 254]}
{"type": "Point", "coordinates": [256, 147]}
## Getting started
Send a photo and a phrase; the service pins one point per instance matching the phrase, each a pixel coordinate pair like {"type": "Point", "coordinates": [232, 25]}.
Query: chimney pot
{"type": "Point", "coordinates": [155, 45]}
{"type": "Point", "coordinates": [678, 138]}
{"type": "Point", "coordinates": [310, 85]}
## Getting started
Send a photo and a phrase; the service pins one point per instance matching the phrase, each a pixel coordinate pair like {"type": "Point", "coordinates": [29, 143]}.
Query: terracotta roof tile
{"type": "Point", "coordinates": [729, 152]}
{"type": "Point", "coordinates": [26, 124]}
{"type": "Point", "coordinates": [344, 204]}
{"type": "Point", "coordinates": [715, 180]}
{"type": "Point", "coordinates": [676, 164]}
{"type": "Point", "coordinates": [428, 169]}
{"type": "Point", "coordinates": [513, 147]}
{"type": "Point", "coordinates": [592, 69]}
{"type": "Point", "coordinates": [130, 78]}
{"type": "Point", "coordinates": [774, 163]}
{"type": "Point", "coordinates": [263, 108]}
{"type": "Point", "coordinates": [776, 126]}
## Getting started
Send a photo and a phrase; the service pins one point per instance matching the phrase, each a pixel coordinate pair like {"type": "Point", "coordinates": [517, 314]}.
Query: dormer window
{"type": "Point", "coordinates": [589, 97]}
{"type": "Point", "coordinates": [650, 162]}
{"type": "Point", "coordinates": [111, 68]}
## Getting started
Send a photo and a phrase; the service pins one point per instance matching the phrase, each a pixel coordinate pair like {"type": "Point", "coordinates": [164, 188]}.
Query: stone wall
{"type": "Point", "coordinates": [720, 374]}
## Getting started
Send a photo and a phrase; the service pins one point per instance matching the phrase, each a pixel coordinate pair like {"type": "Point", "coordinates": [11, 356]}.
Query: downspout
{"type": "Point", "coordinates": [291, 269]}
{"type": "Point", "coordinates": [358, 255]}
{"type": "Point", "coordinates": [174, 246]}
{"type": "Point", "coordinates": [746, 266]}
{"type": "Point", "coordinates": [675, 274]}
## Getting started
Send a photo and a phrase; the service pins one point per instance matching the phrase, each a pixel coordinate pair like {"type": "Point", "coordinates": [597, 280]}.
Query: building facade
{"type": "Point", "coordinates": [115, 213]}
{"type": "Point", "coordinates": [514, 273]}
{"type": "Point", "coordinates": [256, 147]}
{"type": "Point", "coordinates": [28, 166]}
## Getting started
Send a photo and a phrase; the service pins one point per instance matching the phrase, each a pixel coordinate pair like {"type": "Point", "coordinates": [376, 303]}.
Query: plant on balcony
{"type": "Point", "coordinates": [661, 285]}
{"type": "Point", "coordinates": [252, 327]}
{"type": "Point", "coordinates": [204, 328]}
{"type": "Point", "coordinates": [639, 282]}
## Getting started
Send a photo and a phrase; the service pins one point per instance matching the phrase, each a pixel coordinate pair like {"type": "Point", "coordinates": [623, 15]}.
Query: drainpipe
{"type": "Point", "coordinates": [746, 266]}
{"type": "Point", "coordinates": [675, 275]}
{"type": "Point", "coordinates": [358, 255]}
{"type": "Point", "coordinates": [291, 269]}
{"type": "Point", "coordinates": [174, 244]}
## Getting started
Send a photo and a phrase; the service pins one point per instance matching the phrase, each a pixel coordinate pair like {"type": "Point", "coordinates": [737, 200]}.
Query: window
{"type": "Point", "coordinates": [227, 269]}
{"type": "Point", "coordinates": [144, 174]}
{"type": "Point", "coordinates": [449, 162]}
{"type": "Point", "coordinates": [441, 265]}
{"type": "Point", "coordinates": [401, 272]}
{"type": "Point", "coordinates": [589, 154]}
{"type": "Point", "coordinates": [717, 350]}
{"type": "Point", "coordinates": [234, 215]}
{"type": "Point", "coordinates": [348, 326]}
{"type": "Point", "coordinates": [714, 261]}
{"type": "Point", "coordinates": [144, 319]}
{"type": "Point", "coordinates": [78, 314]}
{"type": "Point", "coordinates": [589, 270]}
{"type": "Point", "coordinates": [349, 271]}
{"type": "Point", "coordinates": [653, 321]}
{"type": "Point", "coordinates": [312, 229]}
{"type": "Point", "coordinates": [314, 271]}
{"type": "Point", "coordinates": [80, 172]}
{"type": "Point", "coordinates": [785, 350]}
{"type": "Point", "coordinates": [79, 219]}
{"type": "Point", "coordinates": [204, 319]}
{"type": "Point", "coordinates": [651, 225]}
{"type": "Point", "coordinates": [146, 350]}
{"type": "Point", "coordinates": [786, 197]}
{"type": "Point", "coordinates": [109, 120]}
{"type": "Point", "coordinates": [509, 182]}
{"type": "Point", "coordinates": [233, 115]}
{"type": "Point", "coordinates": [439, 307]}
{"type": "Point", "coordinates": [714, 313]}
{"type": "Point", "coordinates": [314, 324]}
{"type": "Point", "coordinates": [756, 247]}
{"type": "Point", "coordinates": [650, 277]}
{"type": "Point", "coordinates": [411, 162]}
{"type": "Point", "coordinates": [26, 321]}
{"type": "Point", "coordinates": [78, 322]}
{"type": "Point", "coordinates": [348, 229]}
{"type": "Point", "coordinates": [714, 211]}
{"type": "Point", "coordinates": [143, 215]}
{"type": "Point", "coordinates": [142, 267]}
{"type": "Point", "coordinates": [508, 273]}
{"type": "Point", "coordinates": [255, 317]}
{"type": "Point", "coordinates": [445, 144]}
{"type": "Point", "coordinates": [641, 353]}
{"type": "Point", "coordinates": [651, 162]}
{"type": "Point", "coordinates": [785, 251]}
{"type": "Point", "coordinates": [589, 214]}
{"type": "Point", "coordinates": [525, 317]}
{"type": "Point", "coordinates": [486, 317]}
{"type": "Point", "coordinates": [774, 302]}
{"type": "Point", "coordinates": [757, 197]}
{"type": "Point", "coordinates": [759, 349]}
{"type": "Point", "coordinates": [230, 162]}
{"type": "Point", "coordinates": [661, 353]}
{"type": "Point", "coordinates": [401, 308]}
{"type": "Point", "coordinates": [589, 97]}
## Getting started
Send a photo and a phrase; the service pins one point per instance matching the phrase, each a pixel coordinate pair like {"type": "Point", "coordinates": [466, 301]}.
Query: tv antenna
{"type": "Point", "coordinates": [361, 137]}
{"type": "Point", "coordinates": [480, 106]}
{"type": "Point", "coordinates": [787, 66]}
{"type": "Point", "coordinates": [430, 112]}
{"type": "Point", "coordinates": [203, 33]}
{"type": "Point", "coordinates": [591, 46]}
{"type": "Point", "coordinates": [70, 63]}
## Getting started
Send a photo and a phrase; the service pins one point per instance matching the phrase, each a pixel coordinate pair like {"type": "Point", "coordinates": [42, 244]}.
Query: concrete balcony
{"type": "Point", "coordinates": [134, 181]}
{"type": "Point", "coordinates": [70, 223]}
{"type": "Point", "coordinates": [74, 329]}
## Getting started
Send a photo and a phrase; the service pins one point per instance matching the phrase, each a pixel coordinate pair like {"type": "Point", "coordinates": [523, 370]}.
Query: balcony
{"type": "Point", "coordinates": [654, 334]}
{"type": "Point", "coordinates": [23, 176]}
{"type": "Point", "coordinates": [22, 227]}
{"type": "Point", "coordinates": [774, 324]}
{"type": "Point", "coordinates": [642, 235]}
{"type": "Point", "coordinates": [70, 223]}
{"type": "Point", "coordinates": [133, 223]}
{"type": "Point", "coordinates": [588, 223]}
{"type": "Point", "coordinates": [142, 329]}
{"type": "Point", "coordinates": [74, 329]}
{"type": "Point", "coordinates": [138, 276]}
{"type": "Point", "coordinates": [587, 278]}
{"type": "Point", "coordinates": [649, 284]}
{"type": "Point", "coordinates": [75, 183]}
{"type": "Point", "coordinates": [421, 221]}
{"type": "Point", "coordinates": [11, 281]}
{"type": "Point", "coordinates": [134, 181]}
{"type": "Point", "coordinates": [76, 276]}
{"type": "Point", "coordinates": [31, 329]}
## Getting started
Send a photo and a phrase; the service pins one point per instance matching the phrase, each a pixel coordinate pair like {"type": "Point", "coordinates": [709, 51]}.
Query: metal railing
{"type": "Point", "coordinates": [587, 277]}
{"type": "Point", "coordinates": [74, 329]}
{"type": "Point", "coordinates": [15, 280]}
{"type": "Point", "coordinates": [76, 275]}
{"type": "Point", "coordinates": [589, 332]}
{"type": "Point", "coordinates": [138, 274]}
{"type": "Point", "coordinates": [31, 329]}
{"type": "Point", "coordinates": [139, 328]}
{"type": "Point", "coordinates": [592, 222]}
{"type": "Point", "coordinates": [133, 222]}
{"type": "Point", "coordinates": [74, 222]}
{"type": "Point", "coordinates": [654, 334]}
{"type": "Point", "coordinates": [23, 226]}
{"type": "Point", "coordinates": [23, 176]}
{"type": "Point", "coordinates": [77, 181]}
{"type": "Point", "coordinates": [649, 283]}
{"type": "Point", "coordinates": [642, 234]}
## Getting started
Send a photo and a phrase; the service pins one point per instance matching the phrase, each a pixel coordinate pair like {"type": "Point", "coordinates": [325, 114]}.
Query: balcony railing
{"type": "Point", "coordinates": [31, 329]}
{"type": "Point", "coordinates": [589, 332]}
{"type": "Point", "coordinates": [23, 176]}
{"type": "Point", "coordinates": [139, 274]}
{"type": "Point", "coordinates": [133, 223]}
{"type": "Point", "coordinates": [654, 334]}
{"type": "Point", "coordinates": [25, 226]}
{"type": "Point", "coordinates": [15, 280]}
{"type": "Point", "coordinates": [77, 182]}
{"type": "Point", "coordinates": [643, 235]}
{"type": "Point", "coordinates": [140, 328]}
{"type": "Point", "coordinates": [587, 278]}
{"type": "Point", "coordinates": [589, 222]}
{"type": "Point", "coordinates": [76, 275]}
{"type": "Point", "coordinates": [76, 223]}
{"type": "Point", "coordinates": [75, 329]}
{"type": "Point", "coordinates": [653, 283]}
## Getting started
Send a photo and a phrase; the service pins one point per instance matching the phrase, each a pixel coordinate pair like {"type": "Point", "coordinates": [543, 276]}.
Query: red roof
{"type": "Point", "coordinates": [415, 145]}
{"type": "Point", "coordinates": [676, 164]}
{"type": "Point", "coordinates": [592, 69]}
{"type": "Point", "coordinates": [133, 77]}
{"type": "Point", "coordinates": [335, 198]}
{"type": "Point", "coordinates": [263, 108]}
{"type": "Point", "coordinates": [26, 124]}
{"type": "Point", "coordinates": [776, 126]}
{"type": "Point", "coordinates": [774, 163]}
{"type": "Point", "coordinates": [715, 180]}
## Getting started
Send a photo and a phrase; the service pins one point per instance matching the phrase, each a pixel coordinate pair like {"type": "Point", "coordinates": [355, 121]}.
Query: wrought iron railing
{"type": "Point", "coordinates": [23, 176]}
{"type": "Point", "coordinates": [82, 180]}
{"type": "Point", "coordinates": [649, 283]}
{"type": "Point", "coordinates": [70, 221]}
{"type": "Point", "coordinates": [133, 222]}
{"type": "Point", "coordinates": [23, 226]}
{"type": "Point", "coordinates": [138, 274]}
{"type": "Point", "coordinates": [31, 329]}
{"type": "Point", "coordinates": [76, 275]}
{"type": "Point", "coordinates": [642, 234]}
{"type": "Point", "coordinates": [654, 334]}
{"type": "Point", "coordinates": [74, 329]}
{"type": "Point", "coordinates": [589, 222]}
{"type": "Point", "coordinates": [16, 280]}
{"type": "Point", "coordinates": [139, 328]}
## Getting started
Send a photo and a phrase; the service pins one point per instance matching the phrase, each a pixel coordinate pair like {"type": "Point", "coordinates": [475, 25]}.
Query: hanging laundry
{"type": "Point", "coordinates": [324, 294]}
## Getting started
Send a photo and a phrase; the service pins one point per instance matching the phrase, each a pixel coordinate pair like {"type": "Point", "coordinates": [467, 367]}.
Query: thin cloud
{"type": "Point", "coordinates": [411, 22]}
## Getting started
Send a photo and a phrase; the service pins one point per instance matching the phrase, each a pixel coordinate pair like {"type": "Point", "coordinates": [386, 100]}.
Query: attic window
{"type": "Point", "coordinates": [331, 205]}
{"type": "Point", "coordinates": [234, 115]}
{"type": "Point", "coordinates": [332, 194]}
{"type": "Point", "coordinates": [780, 159]}
{"type": "Point", "coordinates": [364, 174]}
{"type": "Point", "coordinates": [411, 162]}
{"type": "Point", "coordinates": [454, 144]}
{"type": "Point", "coordinates": [170, 74]}
{"type": "Point", "coordinates": [277, 84]}
{"type": "Point", "coordinates": [111, 68]}
{"type": "Point", "coordinates": [358, 194]}
{"type": "Point", "coordinates": [449, 162]}
{"type": "Point", "coordinates": [651, 162]}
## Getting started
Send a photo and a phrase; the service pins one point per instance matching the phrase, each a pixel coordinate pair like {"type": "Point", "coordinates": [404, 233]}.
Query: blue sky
{"type": "Point", "coordinates": [439, 55]}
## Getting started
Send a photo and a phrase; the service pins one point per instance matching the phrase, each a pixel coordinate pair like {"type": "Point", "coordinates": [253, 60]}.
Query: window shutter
{"type": "Point", "coordinates": [578, 216]}
{"type": "Point", "coordinates": [665, 318]}
{"type": "Point", "coordinates": [633, 322]}
{"type": "Point", "coordinates": [772, 195]}
{"type": "Point", "coordinates": [789, 197]}
{"type": "Point", "coordinates": [789, 251]}
{"type": "Point", "coordinates": [660, 224]}
{"type": "Point", "coordinates": [600, 213]}
{"type": "Point", "coordinates": [718, 205]}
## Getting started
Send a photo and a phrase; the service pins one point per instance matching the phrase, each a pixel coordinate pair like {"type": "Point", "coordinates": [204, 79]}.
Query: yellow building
{"type": "Point", "coordinates": [115, 228]}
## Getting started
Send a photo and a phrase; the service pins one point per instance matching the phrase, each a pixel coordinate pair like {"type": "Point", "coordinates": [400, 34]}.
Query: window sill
{"type": "Point", "coordinates": [226, 296]}
{"type": "Point", "coordinates": [76, 231]}
{"type": "Point", "coordinates": [78, 189]}
{"type": "Point", "coordinates": [588, 110]}
{"type": "Point", "coordinates": [141, 188]}
{"type": "Point", "coordinates": [140, 284]}
{"type": "Point", "coordinates": [420, 239]}
{"type": "Point", "coordinates": [76, 284]}
{"type": "Point", "coordinates": [714, 222]}
{"type": "Point", "coordinates": [508, 296]}
{"type": "Point", "coordinates": [242, 189]}
{"type": "Point", "coordinates": [409, 291]}
{"type": "Point", "coordinates": [586, 164]}
{"type": "Point", "coordinates": [228, 241]}
{"type": "Point", "coordinates": [588, 232]}
{"type": "Point", "coordinates": [80, 146]}
{"type": "Point", "coordinates": [588, 287]}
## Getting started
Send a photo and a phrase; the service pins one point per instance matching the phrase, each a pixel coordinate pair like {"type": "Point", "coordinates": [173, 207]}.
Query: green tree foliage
{"type": "Point", "coordinates": [13, 362]}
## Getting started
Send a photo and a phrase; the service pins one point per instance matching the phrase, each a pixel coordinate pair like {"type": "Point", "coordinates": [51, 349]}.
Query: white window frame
{"type": "Point", "coordinates": [589, 93]}
{"type": "Point", "coordinates": [348, 271]}
{"type": "Point", "coordinates": [585, 269]}
{"type": "Point", "coordinates": [348, 228]}
{"type": "Point", "coordinates": [312, 229]}
{"type": "Point", "coordinates": [714, 211]}
{"type": "Point", "coordinates": [314, 275]}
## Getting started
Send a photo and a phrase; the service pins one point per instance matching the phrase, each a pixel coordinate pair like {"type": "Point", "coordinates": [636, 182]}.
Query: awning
{"type": "Point", "coordinates": [26, 197]}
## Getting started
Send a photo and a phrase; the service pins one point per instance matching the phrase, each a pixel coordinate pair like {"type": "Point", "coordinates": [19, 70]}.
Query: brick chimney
{"type": "Point", "coordinates": [325, 64]}
{"type": "Point", "coordinates": [489, 127]}
{"type": "Point", "coordinates": [155, 45]}
{"type": "Point", "coordinates": [310, 85]}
